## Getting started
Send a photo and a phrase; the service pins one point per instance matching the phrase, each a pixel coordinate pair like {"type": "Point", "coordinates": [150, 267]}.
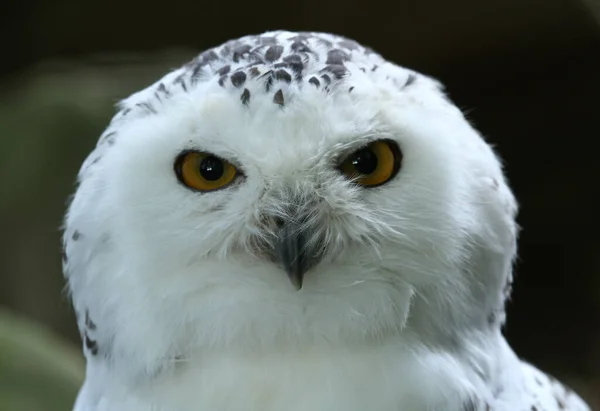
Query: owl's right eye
{"type": "Point", "coordinates": [204, 171]}
{"type": "Point", "coordinates": [373, 165]}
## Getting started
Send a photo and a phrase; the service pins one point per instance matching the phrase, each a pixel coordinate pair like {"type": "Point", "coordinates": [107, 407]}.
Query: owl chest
{"type": "Point", "coordinates": [302, 383]}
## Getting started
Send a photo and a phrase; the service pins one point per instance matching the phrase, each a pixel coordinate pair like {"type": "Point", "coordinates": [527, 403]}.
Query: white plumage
{"type": "Point", "coordinates": [181, 292]}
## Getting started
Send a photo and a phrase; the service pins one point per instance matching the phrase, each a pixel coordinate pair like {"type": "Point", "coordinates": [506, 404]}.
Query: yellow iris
{"type": "Point", "coordinates": [203, 171]}
{"type": "Point", "coordinates": [373, 165]}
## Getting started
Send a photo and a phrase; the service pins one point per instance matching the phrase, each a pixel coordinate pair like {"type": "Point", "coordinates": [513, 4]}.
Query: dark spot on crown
{"type": "Point", "coordinates": [147, 107]}
{"type": "Point", "coordinates": [295, 63]}
{"type": "Point", "coordinates": [374, 68]}
{"type": "Point", "coordinates": [364, 70]}
{"type": "Point", "coordinates": [324, 42]}
{"type": "Point", "coordinates": [109, 136]}
{"type": "Point", "coordinates": [301, 37]}
{"type": "Point", "coordinates": [534, 408]}
{"type": "Point", "coordinates": [207, 57]}
{"type": "Point", "coordinates": [181, 81]}
{"type": "Point", "coordinates": [336, 56]}
{"type": "Point", "coordinates": [300, 47]}
{"type": "Point", "coordinates": [254, 72]}
{"type": "Point", "coordinates": [315, 81]}
{"type": "Point", "coordinates": [76, 235]}
{"type": "Point", "coordinates": [245, 97]}
{"type": "Point", "coordinates": [267, 40]}
{"type": "Point", "coordinates": [410, 80]}
{"type": "Point", "coordinates": [350, 89]}
{"type": "Point", "coordinates": [224, 70]}
{"type": "Point", "coordinates": [238, 78]}
{"type": "Point", "coordinates": [368, 50]}
{"type": "Point", "coordinates": [348, 44]}
{"type": "Point", "coordinates": [196, 73]}
{"type": "Point", "coordinates": [90, 344]}
{"type": "Point", "coordinates": [63, 254]}
{"type": "Point", "coordinates": [283, 76]}
{"type": "Point", "coordinates": [338, 71]}
{"type": "Point", "coordinates": [326, 78]}
{"type": "Point", "coordinates": [273, 53]}
{"type": "Point", "coordinates": [241, 52]}
{"type": "Point", "coordinates": [268, 80]}
{"type": "Point", "coordinates": [125, 111]}
{"type": "Point", "coordinates": [278, 98]}
{"type": "Point", "coordinates": [163, 90]}
{"type": "Point", "coordinates": [88, 321]}
{"type": "Point", "coordinates": [222, 80]}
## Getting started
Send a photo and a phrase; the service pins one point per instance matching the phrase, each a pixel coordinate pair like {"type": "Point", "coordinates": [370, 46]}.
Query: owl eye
{"type": "Point", "coordinates": [374, 165]}
{"type": "Point", "coordinates": [204, 171]}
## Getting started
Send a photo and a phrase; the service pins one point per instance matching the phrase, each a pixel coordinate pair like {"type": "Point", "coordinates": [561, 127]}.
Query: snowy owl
{"type": "Point", "coordinates": [291, 222]}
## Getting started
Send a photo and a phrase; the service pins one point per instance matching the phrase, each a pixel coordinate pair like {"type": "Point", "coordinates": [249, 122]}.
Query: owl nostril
{"type": "Point", "coordinates": [279, 222]}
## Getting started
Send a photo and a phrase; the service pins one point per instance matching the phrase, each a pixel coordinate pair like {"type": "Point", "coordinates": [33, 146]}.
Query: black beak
{"type": "Point", "coordinates": [294, 253]}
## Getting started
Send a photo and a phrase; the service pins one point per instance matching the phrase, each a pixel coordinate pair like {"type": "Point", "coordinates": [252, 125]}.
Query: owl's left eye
{"type": "Point", "coordinates": [204, 171]}
{"type": "Point", "coordinates": [374, 165]}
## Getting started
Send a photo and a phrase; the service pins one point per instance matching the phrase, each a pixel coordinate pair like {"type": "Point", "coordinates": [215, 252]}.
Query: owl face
{"type": "Point", "coordinates": [231, 213]}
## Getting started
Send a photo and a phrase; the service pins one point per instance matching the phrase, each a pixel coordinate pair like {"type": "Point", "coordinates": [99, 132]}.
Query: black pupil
{"type": "Point", "coordinates": [365, 161]}
{"type": "Point", "coordinates": [211, 168]}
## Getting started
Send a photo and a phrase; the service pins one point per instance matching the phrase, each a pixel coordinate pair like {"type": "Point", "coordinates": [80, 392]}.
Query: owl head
{"type": "Point", "coordinates": [287, 190]}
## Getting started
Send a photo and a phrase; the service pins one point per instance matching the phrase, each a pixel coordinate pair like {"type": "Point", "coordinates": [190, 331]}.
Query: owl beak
{"type": "Point", "coordinates": [293, 253]}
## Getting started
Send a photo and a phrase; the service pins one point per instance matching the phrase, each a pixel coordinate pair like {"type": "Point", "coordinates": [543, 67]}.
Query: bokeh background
{"type": "Point", "coordinates": [527, 72]}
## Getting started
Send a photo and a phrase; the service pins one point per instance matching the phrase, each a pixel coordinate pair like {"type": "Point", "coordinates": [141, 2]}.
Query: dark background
{"type": "Point", "coordinates": [527, 72]}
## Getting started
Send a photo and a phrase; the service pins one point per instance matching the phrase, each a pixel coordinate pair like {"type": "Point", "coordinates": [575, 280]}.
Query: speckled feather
{"type": "Point", "coordinates": [180, 310]}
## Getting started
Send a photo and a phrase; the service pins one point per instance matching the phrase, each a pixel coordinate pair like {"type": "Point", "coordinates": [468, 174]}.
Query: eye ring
{"type": "Point", "coordinates": [204, 172]}
{"type": "Point", "coordinates": [373, 165]}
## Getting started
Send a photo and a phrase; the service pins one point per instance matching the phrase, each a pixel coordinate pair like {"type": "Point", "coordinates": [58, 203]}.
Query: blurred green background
{"type": "Point", "coordinates": [526, 72]}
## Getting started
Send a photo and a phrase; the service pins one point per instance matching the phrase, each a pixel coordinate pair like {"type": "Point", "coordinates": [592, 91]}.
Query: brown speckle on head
{"type": "Point", "coordinates": [88, 321]}
{"type": "Point", "coordinates": [162, 89]}
{"type": "Point", "coordinates": [314, 81]}
{"type": "Point", "coordinates": [410, 80]}
{"type": "Point", "coordinates": [348, 44]}
{"type": "Point", "coordinates": [147, 107]}
{"type": "Point", "coordinates": [336, 57]}
{"type": "Point", "coordinates": [76, 235]}
{"type": "Point", "coordinates": [238, 78]}
{"type": "Point", "coordinates": [245, 97]}
{"type": "Point", "coordinates": [268, 80]}
{"type": "Point", "coordinates": [224, 70]}
{"type": "Point", "coordinates": [283, 76]}
{"type": "Point", "coordinates": [90, 344]}
{"type": "Point", "coordinates": [273, 53]}
{"type": "Point", "coordinates": [241, 52]}
{"type": "Point", "coordinates": [278, 98]}
{"type": "Point", "coordinates": [300, 47]}
{"type": "Point", "coordinates": [267, 40]}
{"type": "Point", "coordinates": [181, 81]}
{"type": "Point", "coordinates": [254, 72]}
{"type": "Point", "coordinates": [222, 80]}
